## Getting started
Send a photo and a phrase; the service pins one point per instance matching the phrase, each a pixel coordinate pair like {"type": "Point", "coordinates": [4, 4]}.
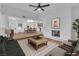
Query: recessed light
{"type": "Point", "coordinates": [12, 18]}
{"type": "Point", "coordinates": [29, 20]}
{"type": "Point", "coordinates": [23, 16]}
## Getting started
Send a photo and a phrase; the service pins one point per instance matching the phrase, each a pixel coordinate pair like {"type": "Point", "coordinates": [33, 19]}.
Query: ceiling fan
{"type": "Point", "coordinates": [39, 6]}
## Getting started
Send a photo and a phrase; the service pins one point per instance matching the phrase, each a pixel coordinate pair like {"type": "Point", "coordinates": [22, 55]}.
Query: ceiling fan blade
{"type": "Point", "coordinates": [32, 6]}
{"type": "Point", "coordinates": [45, 5]}
{"type": "Point", "coordinates": [42, 9]}
{"type": "Point", "coordinates": [35, 9]}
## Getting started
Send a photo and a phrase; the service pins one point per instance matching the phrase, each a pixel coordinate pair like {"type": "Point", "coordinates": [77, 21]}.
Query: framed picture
{"type": "Point", "coordinates": [56, 23]}
{"type": "Point", "coordinates": [56, 33]}
{"type": "Point", "coordinates": [40, 24]}
{"type": "Point", "coordinates": [20, 25]}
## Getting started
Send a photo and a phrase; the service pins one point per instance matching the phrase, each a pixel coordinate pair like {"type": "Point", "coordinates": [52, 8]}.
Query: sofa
{"type": "Point", "coordinates": [10, 47]}
{"type": "Point", "coordinates": [73, 51]}
{"type": "Point", "coordinates": [2, 45]}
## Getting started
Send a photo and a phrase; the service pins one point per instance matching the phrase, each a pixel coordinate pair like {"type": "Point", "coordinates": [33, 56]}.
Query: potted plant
{"type": "Point", "coordinates": [76, 26]}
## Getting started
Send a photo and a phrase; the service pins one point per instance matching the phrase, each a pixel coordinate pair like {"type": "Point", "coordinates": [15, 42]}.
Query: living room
{"type": "Point", "coordinates": [25, 24]}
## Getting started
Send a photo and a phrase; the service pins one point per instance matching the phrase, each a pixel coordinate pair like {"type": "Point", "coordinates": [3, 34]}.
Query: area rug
{"type": "Point", "coordinates": [30, 51]}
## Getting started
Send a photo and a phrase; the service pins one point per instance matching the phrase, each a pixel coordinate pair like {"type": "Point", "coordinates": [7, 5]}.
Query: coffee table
{"type": "Point", "coordinates": [37, 43]}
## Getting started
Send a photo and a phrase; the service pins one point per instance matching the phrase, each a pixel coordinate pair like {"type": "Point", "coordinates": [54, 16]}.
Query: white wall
{"type": "Point", "coordinates": [13, 24]}
{"type": "Point", "coordinates": [75, 15]}
{"type": "Point", "coordinates": [64, 13]}
{"type": "Point", "coordinates": [0, 8]}
{"type": "Point", "coordinates": [4, 23]}
{"type": "Point", "coordinates": [18, 13]}
{"type": "Point", "coordinates": [0, 14]}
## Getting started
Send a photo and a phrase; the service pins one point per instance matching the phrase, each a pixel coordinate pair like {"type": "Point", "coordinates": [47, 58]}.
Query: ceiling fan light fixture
{"type": "Point", "coordinates": [38, 9]}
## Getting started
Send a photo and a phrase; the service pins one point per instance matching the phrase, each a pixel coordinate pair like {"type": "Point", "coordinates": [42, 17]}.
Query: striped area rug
{"type": "Point", "coordinates": [30, 51]}
{"type": "Point", "coordinates": [66, 47]}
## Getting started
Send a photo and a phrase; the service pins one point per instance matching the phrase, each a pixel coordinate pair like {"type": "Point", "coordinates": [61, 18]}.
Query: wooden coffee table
{"type": "Point", "coordinates": [37, 43]}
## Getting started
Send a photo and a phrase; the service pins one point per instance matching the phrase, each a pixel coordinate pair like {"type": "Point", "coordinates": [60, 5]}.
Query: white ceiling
{"type": "Point", "coordinates": [24, 7]}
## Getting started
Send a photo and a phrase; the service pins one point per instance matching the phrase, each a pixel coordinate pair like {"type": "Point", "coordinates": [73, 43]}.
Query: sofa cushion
{"type": "Point", "coordinates": [1, 38]}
